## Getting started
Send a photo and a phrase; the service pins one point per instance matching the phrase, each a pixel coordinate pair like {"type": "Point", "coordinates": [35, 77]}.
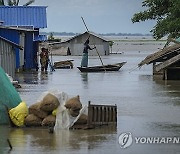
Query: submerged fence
{"type": "Point", "coordinates": [101, 115]}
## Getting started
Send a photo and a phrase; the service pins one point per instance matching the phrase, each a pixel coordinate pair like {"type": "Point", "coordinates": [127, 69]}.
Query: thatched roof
{"type": "Point", "coordinates": [160, 54]}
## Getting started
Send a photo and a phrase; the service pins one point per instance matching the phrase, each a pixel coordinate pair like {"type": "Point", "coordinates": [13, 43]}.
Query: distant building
{"type": "Point", "coordinates": [75, 44]}
{"type": "Point", "coordinates": [26, 21]}
{"type": "Point", "coordinates": [166, 63]}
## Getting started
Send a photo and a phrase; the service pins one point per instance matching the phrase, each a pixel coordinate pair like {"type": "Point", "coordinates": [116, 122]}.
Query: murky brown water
{"type": "Point", "coordinates": [145, 108]}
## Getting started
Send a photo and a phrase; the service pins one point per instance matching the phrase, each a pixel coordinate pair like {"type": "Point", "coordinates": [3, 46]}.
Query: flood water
{"type": "Point", "coordinates": [146, 108]}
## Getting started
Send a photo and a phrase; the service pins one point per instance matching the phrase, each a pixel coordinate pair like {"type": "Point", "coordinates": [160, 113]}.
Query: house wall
{"type": "Point", "coordinates": [170, 73]}
{"type": "Point", "coordinates": [76, 45]}
{"type": "Point", "coordinates": [157, 75]}
{"type": "Point", "coordinates": [29, 51]}
{"type": "Point", "coordinates": [25, 57]}
{"type": "Point", "coordinates": [33, 17]}
{"type": "Point", "coordinates": [21, 55]}
{"type": "Point", "coordinates": [7, 58]}
{"type": "Point", "coordinates": [13, 36]}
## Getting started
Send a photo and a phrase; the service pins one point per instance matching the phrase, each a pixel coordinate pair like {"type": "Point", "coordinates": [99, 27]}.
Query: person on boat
{"type": "Point", "coordinates": [84, 61]}
{"type": "Point", "coordinates": [44, 59]}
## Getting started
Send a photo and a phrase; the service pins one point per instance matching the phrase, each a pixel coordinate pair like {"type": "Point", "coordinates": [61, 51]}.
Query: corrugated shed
{"type": "Point", "coordinates": [24, 58]}
{"type": "Point", "coordinates": [24, 16]}
{"type": "Point", "coordinates": [76, 44]}
{"type": "Point", "coordinates": [14, 37]}
{"type": "Point", "coordinates": [7, 56]}
{"type": "Point", "coordinates": [89, 33]}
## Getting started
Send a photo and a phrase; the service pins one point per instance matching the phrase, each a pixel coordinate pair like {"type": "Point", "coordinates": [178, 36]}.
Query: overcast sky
{"type": "Point", "coordinates": [101, 16]}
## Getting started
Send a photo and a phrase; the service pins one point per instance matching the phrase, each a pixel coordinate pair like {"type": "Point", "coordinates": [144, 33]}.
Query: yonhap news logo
{"type": "Point", "coordinates": [126, 139]}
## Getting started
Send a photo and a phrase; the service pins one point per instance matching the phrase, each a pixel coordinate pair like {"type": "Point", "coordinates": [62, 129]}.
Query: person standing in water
{"type": "Point", "coordinates": [44, 59]}
{"type": "Point", "coordinates": [84, 61]}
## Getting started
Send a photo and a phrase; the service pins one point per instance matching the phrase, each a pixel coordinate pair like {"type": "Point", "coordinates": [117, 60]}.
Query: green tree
{"type": "Point", "coordinates": [15, 2]}
{"type": "Point", "coordinates": [167, 15]}
{"type": "Point", "coordinates": [51, 36]}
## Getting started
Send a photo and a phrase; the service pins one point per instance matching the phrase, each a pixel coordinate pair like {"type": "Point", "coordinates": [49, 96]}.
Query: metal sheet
{"type": "Point", "coordinates": [24, 16]}
{"type": "Point", "coordinates": [7, 58]}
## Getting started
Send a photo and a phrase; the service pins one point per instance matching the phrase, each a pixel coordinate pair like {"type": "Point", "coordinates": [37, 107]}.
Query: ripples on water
{"type": "Point", "coordinates": [145, 108]}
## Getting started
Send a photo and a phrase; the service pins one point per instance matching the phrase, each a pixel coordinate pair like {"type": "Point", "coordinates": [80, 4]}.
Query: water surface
{"type": "Point", "coordinates": [145, 108]}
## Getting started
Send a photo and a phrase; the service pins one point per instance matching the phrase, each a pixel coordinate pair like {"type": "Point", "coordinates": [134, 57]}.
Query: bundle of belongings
{"type": "Point", "coordinates": [40, 113]}
{"type": "Point", "coordinates": [52, 109]}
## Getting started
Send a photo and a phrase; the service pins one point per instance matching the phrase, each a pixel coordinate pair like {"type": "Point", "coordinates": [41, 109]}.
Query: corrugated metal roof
{"type": "Point", "coordinates": [10, 42]}
{"type": "Point", "coordinates": [24, 16]}
{"type": "Point", "coordinates": [40, 38]}
{"type": "Point", "coordinates": [89, 32]}
{"type": "Point", "coordinates": [18, 28]}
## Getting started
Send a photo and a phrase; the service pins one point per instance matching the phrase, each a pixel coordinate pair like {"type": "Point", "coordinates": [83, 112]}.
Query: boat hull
{"type": "Point", "coordinates": [104, 68]}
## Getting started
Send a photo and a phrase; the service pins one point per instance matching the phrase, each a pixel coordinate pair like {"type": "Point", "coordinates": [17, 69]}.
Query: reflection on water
{"type": "Point", "coordinates": [84, 77]}
{"type": "Point", "coordinates": [146, 107]}
{"type": "Point", "coordinates": [33, 77]}
{"type": "Point", "coordinates": [172, 128]}
{"type": "Point", "coordinates": [90, 139]}
{"type": "Point", "coordinates": [39, 140]}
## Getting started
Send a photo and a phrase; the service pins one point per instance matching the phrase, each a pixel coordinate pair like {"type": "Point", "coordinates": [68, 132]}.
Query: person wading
{"type": "Point", "coordinates": [44, 58]}
{"type": "Point", "coordinates": [84, 61]}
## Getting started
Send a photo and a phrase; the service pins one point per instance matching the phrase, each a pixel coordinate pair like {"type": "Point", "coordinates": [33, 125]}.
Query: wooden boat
{"type": "Point", "coordinates": [104, 68]}
{"type": "Point", "coordinates": [67, 64]}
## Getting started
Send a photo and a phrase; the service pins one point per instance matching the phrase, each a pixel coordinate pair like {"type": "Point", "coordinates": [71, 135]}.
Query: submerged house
{"type": "Point", "coordinates": [166, 63]}
{"type": "Point", "coordinates": [21, 25]}
{"type": "Point", "coordinates": [21, 36]}
{"type": "Point", "coordinates": [74, 46]}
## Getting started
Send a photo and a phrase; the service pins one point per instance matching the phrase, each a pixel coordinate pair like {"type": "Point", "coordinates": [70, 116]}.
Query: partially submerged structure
{"type": "Point", "coordinates": [166, 63]}
{"type": "Point", "coordinates": [21, 25]}
{"type": "Point", "coordinates": [99, 115]}
{"type": "Point", "coordinates": [8, 55]}
{"type": "Point", "coordinates": [24, 58]}
{"type": "Point", "coordinates": [74, 46]}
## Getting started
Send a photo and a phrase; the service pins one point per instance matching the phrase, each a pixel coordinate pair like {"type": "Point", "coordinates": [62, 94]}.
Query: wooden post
{"type": "Point", "coordinates": [166, 76]}
{"type": "Point", "coordinates": [89, 123]}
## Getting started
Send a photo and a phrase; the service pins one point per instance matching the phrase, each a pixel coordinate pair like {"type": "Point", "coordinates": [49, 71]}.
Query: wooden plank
{"type": "Point", "coordinates": [168, 62]}
{"type": "Point", "coordinates": [110, 114]}
{"type": "Point", "coordinates": [106, 119]}
{"type": "Point", "coordinates": [95, 114]}
{"type": "Point", "coordinates": [114, 115]}
{"type": "Point", "coordinates": [89, 122]}
{"type": "Point", "coordinates": [101, 115]}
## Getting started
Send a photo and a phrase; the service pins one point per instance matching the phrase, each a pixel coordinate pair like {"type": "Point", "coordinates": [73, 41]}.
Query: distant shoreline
{"type": "Point", "coordinates": [107, 34]}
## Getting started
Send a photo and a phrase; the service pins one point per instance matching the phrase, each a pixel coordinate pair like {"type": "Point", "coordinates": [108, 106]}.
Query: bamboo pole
{"type": "Point", "coordinates": [94, 44]}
